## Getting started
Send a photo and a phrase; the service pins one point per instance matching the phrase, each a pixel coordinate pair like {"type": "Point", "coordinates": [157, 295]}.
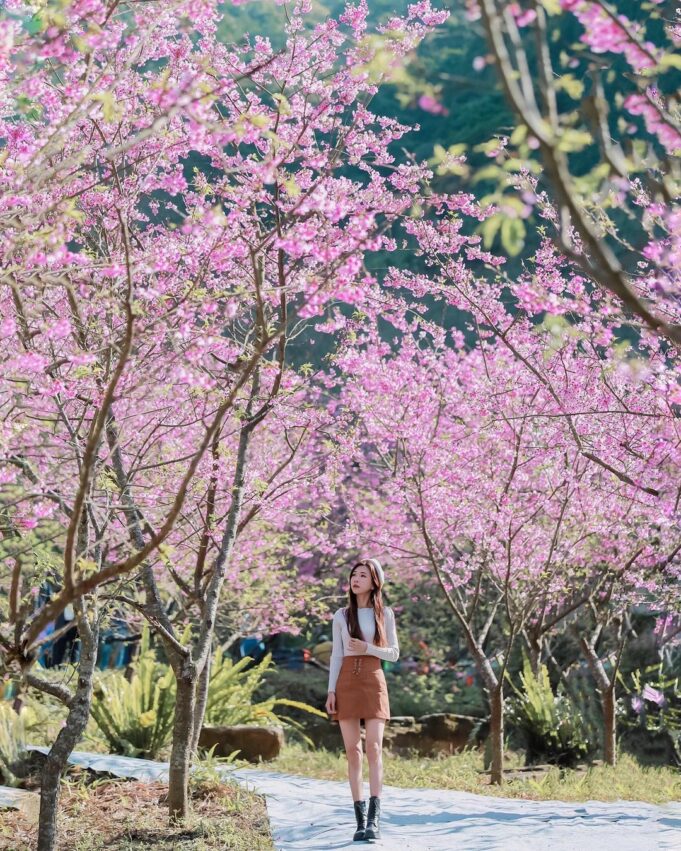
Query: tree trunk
{"type": "Point", "coordinates": [188, 722]}
{"type": "Point", "coordinates": [181, 753]}
{"type": "Point", "coordinates": [201, 702]}
{"type": "Point", "coordinates": [609, 725]}
{"type": "Point", "coordinates": [606, 688]}
{"type": "Point", "coordinates": [68, 738]}
{"type": "Point", "coordinates": [496, 702]}
{"type": "Point", "coordinates": [190, 708]}
{"type": "Point", "coordinates": [494, 686]}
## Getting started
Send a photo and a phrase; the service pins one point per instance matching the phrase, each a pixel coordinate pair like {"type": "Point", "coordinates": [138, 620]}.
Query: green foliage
{"type": "Point", "coordinates": [135, 716]}
{"type": "Point", "coordinates": [423, 694]}
{"type": "Point", "coordinates": [37, 722]}
{"type": "Point", "coordinates": [207, 773]}
{"type": "Point", "coordinates": [15, 733]}
{"type": "Point", "coordinates": [410, 693]}
{"type": "Point", "coordinates": [307, 686]}
{"type": "Point", "coordinates": [548, 723]}
{"type": "Point", "coordinates": [654, 702]}
{"type": "Point", "coordinates": [231, 696]}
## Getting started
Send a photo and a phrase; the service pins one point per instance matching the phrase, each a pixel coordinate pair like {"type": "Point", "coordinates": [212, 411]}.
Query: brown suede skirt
{"type": "Point", "coordinates": [361, 690]}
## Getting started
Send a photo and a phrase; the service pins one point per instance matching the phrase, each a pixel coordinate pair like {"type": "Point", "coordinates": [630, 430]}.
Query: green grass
{"type": "Point", "coordinates": [462, 772]}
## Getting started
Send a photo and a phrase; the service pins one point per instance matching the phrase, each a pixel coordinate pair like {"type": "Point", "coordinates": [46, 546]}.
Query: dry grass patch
{"type": "Point", "coordinates": [128, 816]}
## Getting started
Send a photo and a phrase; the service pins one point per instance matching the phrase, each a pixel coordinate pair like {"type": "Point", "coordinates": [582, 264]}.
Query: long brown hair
{"type": "Point", "coordinates": [375, 600]}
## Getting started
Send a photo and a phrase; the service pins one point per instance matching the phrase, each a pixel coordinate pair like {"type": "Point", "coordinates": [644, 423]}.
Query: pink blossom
{"type": "Point", "coordinates": [430, 104]}
{"type": "Point", "coordinates": [653, 695]}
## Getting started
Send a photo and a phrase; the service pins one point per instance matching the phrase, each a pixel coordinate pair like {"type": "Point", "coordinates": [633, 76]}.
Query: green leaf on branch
{"type": "Point", "coordinates": [671, 60]}
{"type": "Point", "coordinates": [445, 159]}
{"type": "Point", "coordinates": [86, 566]}
{"type": "Point", "coordinates": [570, 85]}
{"type": "Point", "coordinates": [282, 103]}
{"type": "Point", "coordinates": [489, 147]}
{"type": "Point", "coordinates": [110, 109]}
{"type": "Point", "coordinates": [488, 172]}
{"type": "Point", "coordinates": [519, 135]}
{"type": "Point", "coordinates": [512, 235]}
{"type": "Point", "coordinates": [572, 141]}
{"type": "Point", "coordinates": [291, 186]}
{"type": "Point", "coordinates": [489, 229]}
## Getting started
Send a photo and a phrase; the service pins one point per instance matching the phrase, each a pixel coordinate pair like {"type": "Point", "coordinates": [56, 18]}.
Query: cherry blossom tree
{"type": "Point", "coordinates": [313, 226]}
{"type": "Point", "coordinates": [617, 219]}
{"type": "Point", "coordinates": [104, 318]}
{"type": "Point", "coordinates": [589, 423]}
{"type": "Point", "coordinates": [146, 307]}
{"type": "Point", "coordinates": [465, 469]}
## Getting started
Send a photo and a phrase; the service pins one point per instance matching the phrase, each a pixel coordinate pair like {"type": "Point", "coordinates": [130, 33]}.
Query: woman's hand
{"type": "Point", "coordinates": [331, 703]}
{"type": "Point", "coordinates": [356, 645]}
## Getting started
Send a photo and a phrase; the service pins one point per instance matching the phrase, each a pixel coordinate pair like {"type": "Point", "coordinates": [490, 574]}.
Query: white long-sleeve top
{"type": "Point", "coordinates": [367, 625]}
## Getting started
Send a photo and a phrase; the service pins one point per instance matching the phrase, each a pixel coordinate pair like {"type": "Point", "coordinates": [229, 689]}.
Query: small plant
{"type": "Point", "coordinates": [423, 694]}
{"type": "Point", "coordinates": [207, 773]}
{"type": "Point", "coordinates": [548, 723]}
{"type": "Point", "coordinates": [136, 716]}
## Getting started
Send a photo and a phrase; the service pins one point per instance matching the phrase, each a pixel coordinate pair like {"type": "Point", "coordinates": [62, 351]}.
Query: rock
{"type": "Point", "coordinates": [255, 744]}
{"type": "Point", "coordinates": [402, 742]}
{"type": "Point", "coordinates": [404, 722]}
{"type": "Point", "coordinates": [453, 731]}
{"type": "Point", "coordinates": [431, 734]}
{"type": "Point", "coordinates": [650, 747]}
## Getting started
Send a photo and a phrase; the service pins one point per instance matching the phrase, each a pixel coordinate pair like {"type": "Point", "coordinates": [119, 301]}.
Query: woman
{"type": "Point", "coordinates": [363, 634]}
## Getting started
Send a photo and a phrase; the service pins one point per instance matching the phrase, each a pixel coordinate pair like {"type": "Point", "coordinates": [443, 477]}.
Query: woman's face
{"type": "Point", "coordinates": [360, 580]}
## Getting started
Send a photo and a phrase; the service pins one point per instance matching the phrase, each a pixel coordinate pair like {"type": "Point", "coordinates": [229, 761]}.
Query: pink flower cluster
{"type": "Point", "coordinates": [656, 121]}
{"type": "Point", "coordinates": [607, 34]}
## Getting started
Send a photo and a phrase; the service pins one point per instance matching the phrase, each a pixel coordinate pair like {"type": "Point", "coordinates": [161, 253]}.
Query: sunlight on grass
{"type": "Point", "coordinates": [463, 772]}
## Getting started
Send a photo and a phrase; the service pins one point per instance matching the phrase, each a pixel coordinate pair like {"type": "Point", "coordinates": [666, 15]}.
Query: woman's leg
{"type": "Point", "coordinates": [374, 746]}
{"type": "Point", "coordinates": [353, 749]}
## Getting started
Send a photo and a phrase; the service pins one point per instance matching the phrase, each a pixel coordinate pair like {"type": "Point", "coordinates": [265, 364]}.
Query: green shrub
{"type": "Point", "coordinates": [231, 696]}
{"type": "Point", "coordinates": [15, 732]}
{"type": "Point", "coordinates": [548, 723]}
{"type": "Point", "coordinates": [136, 716]}
{"type": "Point", "coordinates": [307, 685]}
{"type": "Point", "coordinates": [425, 694]}
{"type": "Point", "coordinates": [653, 704]}
{"type": "Point", "coordinates": [208, 775]}
{"type": "Point", "coordinates": [410, 693]}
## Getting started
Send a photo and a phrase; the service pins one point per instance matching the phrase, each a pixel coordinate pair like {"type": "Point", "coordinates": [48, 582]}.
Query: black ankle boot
{"type": "Point", "coordinates": [373, 830]}
{"type": "Point", "coordinates": [361, 816]}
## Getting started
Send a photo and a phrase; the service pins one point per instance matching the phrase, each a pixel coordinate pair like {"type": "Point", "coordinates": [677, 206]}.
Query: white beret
{"type": "Point", "coordinates": [376, 564]}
